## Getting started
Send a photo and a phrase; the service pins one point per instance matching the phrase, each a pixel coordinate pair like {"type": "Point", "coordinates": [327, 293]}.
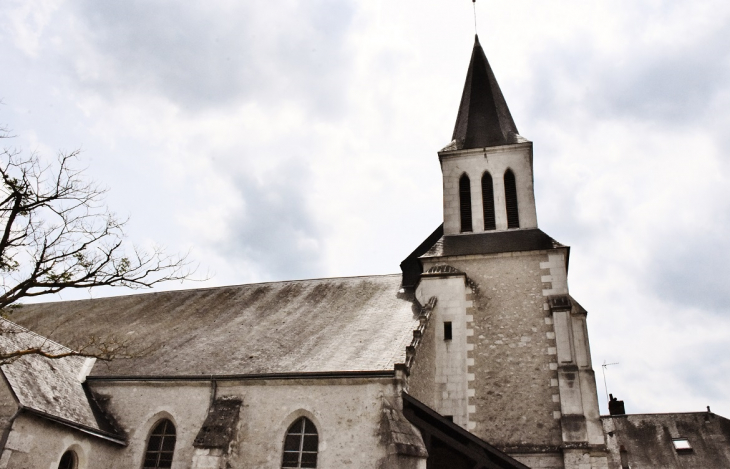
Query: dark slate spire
{"type": "Point", "coordinates": [484, 119]}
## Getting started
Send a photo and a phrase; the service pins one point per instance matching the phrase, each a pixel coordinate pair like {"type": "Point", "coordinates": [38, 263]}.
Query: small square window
{"type": "Point", "coordinates": [447, 330]}
{"type": "Point", "coordinates": [681, 444]}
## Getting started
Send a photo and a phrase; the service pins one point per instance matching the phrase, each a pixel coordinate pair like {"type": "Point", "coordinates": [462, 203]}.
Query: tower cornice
{"type": "Point", "coordinates": [449, 153]}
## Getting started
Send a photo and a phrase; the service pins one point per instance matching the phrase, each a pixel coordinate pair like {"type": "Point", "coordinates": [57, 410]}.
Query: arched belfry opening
{"type": "Point", "coordinates": [510, 199]}
{"type": "Point", "coordinates": [465, 203]}
{"type": "Point", "coordinates": [488, 202]}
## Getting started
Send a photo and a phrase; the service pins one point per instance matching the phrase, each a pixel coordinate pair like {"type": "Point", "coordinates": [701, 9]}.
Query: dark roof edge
{"type": "Point", "coordinates": [407, 398]}
{"type": "Point", "coordinates": [411, 267]}
{"type": "Point", "coordinates": [462, 245]}
{"type": "Point", "coordinates": [251, 377]}
{"type": "Point", "coordinates": [77, 426]}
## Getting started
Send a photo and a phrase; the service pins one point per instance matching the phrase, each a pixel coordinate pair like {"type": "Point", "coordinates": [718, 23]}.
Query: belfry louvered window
{"type": "Point", "coordinates": [160, 446]}
{"type": "Point", "coordinates": [465, 203]}
{"type": "Point", "coordinates": [300, 445]}
{"type": "Point", "coordinates": [510, 199]}
{"type": "Point", "coordinates": [488, 202]}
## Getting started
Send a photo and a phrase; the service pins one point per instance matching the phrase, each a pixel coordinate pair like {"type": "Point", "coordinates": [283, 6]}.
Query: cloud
{"type": "Point", "coordinates": [275, 231]}
{"type": "Point", "coordinates": [692, 270]}
{"type": "Point", "coordinates": [667, 82]}
{"type": "Point", "coordinates": [217, 54]}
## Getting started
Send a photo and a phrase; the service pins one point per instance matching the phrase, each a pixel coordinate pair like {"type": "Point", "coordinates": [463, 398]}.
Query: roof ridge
{"type": "Point", "coordinates": [211, 288]}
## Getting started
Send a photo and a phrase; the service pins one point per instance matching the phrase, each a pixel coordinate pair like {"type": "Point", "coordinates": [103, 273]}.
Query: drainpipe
{"type": "Point", "coordinates": [6, 432]}
{"type": "Point", "coordinates": [213, 391]}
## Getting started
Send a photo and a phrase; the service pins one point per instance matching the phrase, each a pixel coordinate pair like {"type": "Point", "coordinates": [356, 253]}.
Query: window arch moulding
{"type": "Point", "coordinates": [301, 445]}
{"type": "Point", "coordinates": [160, 447]}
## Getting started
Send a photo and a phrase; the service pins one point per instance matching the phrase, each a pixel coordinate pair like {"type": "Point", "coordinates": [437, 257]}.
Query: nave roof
{"type": "Point", "coordinates": [322, 325]}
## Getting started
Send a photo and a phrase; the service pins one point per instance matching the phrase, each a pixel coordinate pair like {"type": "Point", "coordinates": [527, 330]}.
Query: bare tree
{"type": "Point", "coordinates": [57, 233]}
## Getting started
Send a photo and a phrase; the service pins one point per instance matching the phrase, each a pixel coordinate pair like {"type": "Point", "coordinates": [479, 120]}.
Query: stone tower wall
{"type": "Point", "coordinates": [448, 392]}
{"type": "Point", "coordinates": [530, 384]}
{"type": "Point", "coordinates": [516, 398]}
{"type": "Point", "coordinates": [496, 160]}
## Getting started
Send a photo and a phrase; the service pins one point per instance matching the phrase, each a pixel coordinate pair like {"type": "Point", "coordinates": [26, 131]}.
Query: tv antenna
{"type": "Point", "coordinates": [604, 366]}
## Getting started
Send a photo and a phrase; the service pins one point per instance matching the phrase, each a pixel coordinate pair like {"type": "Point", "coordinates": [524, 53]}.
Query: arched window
{"type": "Point", "coordinates": [465, 203]}
{"type": "Point", "coordinates": [488, 202]}
{"type": "Point", "coordinates": [300, 445]}
{"type": "Point", "coordinates": [510, 199]}
{"type": "Point", "coordinates": [68, 460]}
{"type": "Point", "coordinates": [160, 446]}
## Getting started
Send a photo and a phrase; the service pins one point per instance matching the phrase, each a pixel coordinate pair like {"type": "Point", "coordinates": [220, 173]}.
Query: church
{"type": "Point", "coordinates": [474, 356]}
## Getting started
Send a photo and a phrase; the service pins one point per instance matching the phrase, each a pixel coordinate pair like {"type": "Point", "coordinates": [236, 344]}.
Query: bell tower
{"type": "Point", "coordinates": [487, 167]}
{"type": "Point", "coordinates": [506, 352]}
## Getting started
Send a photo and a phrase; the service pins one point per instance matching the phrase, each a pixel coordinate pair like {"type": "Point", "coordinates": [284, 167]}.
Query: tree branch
{"type": "Point", "coordinates": [57, 233]}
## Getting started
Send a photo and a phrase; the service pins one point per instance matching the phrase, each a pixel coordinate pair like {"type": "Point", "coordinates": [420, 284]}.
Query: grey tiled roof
{"type": "Point", "coordinates": [48, 387]}
{"type": "Point", "coordinates": [324, 325]}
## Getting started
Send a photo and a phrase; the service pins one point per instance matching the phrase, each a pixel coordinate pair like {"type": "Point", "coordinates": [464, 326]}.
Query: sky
{"type": "Point", "coordinates": [286, 140]}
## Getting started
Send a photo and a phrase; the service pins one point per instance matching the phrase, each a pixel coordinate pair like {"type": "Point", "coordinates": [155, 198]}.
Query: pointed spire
{"type": "Point", "coordinates": [484, 119]}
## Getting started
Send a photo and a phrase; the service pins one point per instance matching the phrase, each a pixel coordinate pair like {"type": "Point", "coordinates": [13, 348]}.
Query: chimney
{"type": "Point", "coordinates": [615, 407]}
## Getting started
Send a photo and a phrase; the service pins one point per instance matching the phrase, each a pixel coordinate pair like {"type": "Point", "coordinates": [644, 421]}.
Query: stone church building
{"type": "Point", "coordinates": [474, 356]}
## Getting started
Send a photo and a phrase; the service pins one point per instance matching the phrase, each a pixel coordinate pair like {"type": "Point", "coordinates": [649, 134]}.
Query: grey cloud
{"type": "Point", "coordinates": [276, 230]}
{"type": "Point", "coordinates": [703, 370]}
{"type": "Point", "coordinates": [693, 273]}
{"type": "Point", "coordinates": [216, 54]}
{"type": "Point", "coordinates": [656, 83]}
{"type": "Point", "coordinates": [676, 88]}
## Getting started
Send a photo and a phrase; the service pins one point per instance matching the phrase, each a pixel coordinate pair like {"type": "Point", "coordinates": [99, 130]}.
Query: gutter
{"type": "Point", "coordinates": [250, 377]}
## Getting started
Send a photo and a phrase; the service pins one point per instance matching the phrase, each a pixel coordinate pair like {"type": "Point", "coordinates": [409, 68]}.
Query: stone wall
{"type": "Point", "coordinates": [515, 380]}
{"type": "Point", "coordinates": [35, 442]}
{"type": "Point", "coordinates": [531, 385]}
{"type": "Point", "coordinates": [346, 412]}
{"type": "Point", "coordinates": [448, 392]}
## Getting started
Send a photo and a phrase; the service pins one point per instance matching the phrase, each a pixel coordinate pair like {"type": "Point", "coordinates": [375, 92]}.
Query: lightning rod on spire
{"type": "Point", "coordinates": [474, 4]}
